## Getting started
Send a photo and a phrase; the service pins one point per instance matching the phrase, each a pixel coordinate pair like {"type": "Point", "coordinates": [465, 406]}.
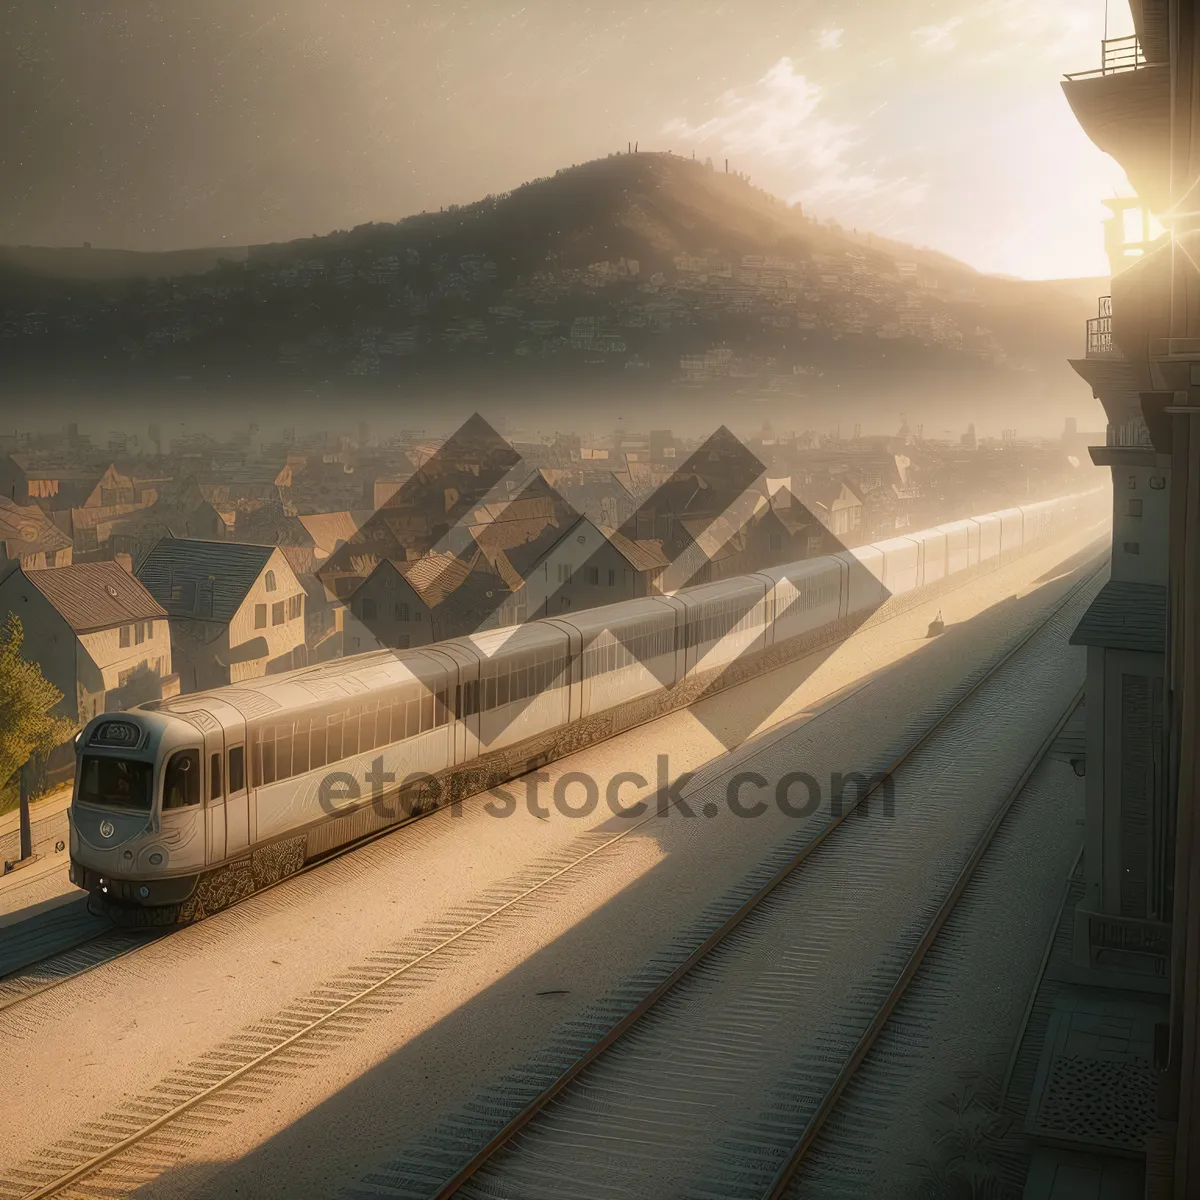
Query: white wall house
{"type": "Point", "coordinates": [97, 633]}
{"type": "Point", "coordinates": [236, 611]}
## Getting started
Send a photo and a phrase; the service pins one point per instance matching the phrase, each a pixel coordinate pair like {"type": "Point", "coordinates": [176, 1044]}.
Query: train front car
{"type": "Point", "coordinates": [137, 824]}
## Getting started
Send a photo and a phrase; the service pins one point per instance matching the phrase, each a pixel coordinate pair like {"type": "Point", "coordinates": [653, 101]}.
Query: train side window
{"type": "Point", "coordinates": [301, 741]}
{"type": "Point", "coordinates": [317, 744]}
{"type": "Point", "coordinates": [214, 777]}
{"type": "Point", "coordinates": [181, 783]}
{"type": "Point", "coordinates": [237, 769]}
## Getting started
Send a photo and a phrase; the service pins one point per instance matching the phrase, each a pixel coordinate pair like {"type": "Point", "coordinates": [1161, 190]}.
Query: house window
{"type": "Point", "coordinates": [295, 607]}
{"type": "Point", "coordinates": [612, 578]}
{"type": "Point", "coordinates": [184, 594]}
{"type": "Point", "coordinates": [1135, 508]}
{"type": "Point", "coordinates": [270, 581]}
{"type": "Point", "coordinates": [370, 610]}
{"type": "Point", "coordinates": [139, 633]}
{"type": "Point", "coordinates": [593, 575]}
{"type": "Point", "coordinates": [125, 638]}
{"type": "Point", "coordinates": [260, 616]}
{"type": "Point", "coordinates": [1133, 483]}
{"type": "Point", "coordinates": [277, 613]}
{"type": "Point", "coordinates": [564, 572]}
{"type": "Point", "coordinates": [401, 612]}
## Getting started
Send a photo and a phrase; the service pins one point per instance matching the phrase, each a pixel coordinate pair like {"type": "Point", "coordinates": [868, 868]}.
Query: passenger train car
{"type": "Point", "coordinates": [184, 806]}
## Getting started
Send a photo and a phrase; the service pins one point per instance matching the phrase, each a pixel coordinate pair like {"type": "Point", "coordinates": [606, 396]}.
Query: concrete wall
{"type": "Point", "coordinates": [1140, 519]}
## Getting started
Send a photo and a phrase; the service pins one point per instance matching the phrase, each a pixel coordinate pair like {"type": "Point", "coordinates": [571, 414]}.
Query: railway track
{"type": "Point", "coordinates": [128, 1147]}
{"type": "Point", "coordinates": [485, 1174]}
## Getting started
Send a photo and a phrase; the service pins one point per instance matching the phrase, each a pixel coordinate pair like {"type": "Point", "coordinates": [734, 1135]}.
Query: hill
{"type": "Point", "coordinates": [646, 268]}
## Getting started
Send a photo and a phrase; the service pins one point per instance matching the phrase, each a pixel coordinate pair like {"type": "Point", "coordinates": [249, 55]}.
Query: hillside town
{"type": "Point", "coordinates": [642, 287]}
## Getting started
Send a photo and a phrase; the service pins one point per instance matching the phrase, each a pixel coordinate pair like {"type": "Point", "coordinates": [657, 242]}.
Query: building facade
{"type": "Point", "coordinates": [1137, 931]}
{"type": "Point", "coordinates": [236, 611]}
{"type": "Point", "coordinates": [98, 635]}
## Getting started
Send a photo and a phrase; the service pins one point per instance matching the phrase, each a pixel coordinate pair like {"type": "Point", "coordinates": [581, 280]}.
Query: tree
{"type": "Point", "coordinates": [27, 700]}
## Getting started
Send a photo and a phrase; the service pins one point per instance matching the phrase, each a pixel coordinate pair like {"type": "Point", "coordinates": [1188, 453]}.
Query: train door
{"type": "Point", "coordinates": [237, 794]}
{"type": "Point", "coordinates": [214, 795]}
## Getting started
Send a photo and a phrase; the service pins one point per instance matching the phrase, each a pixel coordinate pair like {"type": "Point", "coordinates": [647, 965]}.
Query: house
{"type": "Point", "coordinates": [386, 609]}
{"type": "Point", "coordinates": [100, 637]}
{"type": "Point", "coordinates": [53, 484]}
{"type": "Point", "coordinates": [331, 530]}
{"type": "Point", "coordinates": [586, 566]}
{"type": "Point", "coordinates": [29, 540]}
{"type": "Point", "coordinates": [236, 611]}
{"type": "Point", "coordinates": [274, 524]}
{"type": "Point", "coordinates": [836, 505]}
{"type": "Point", "coordinates": [180, 511]}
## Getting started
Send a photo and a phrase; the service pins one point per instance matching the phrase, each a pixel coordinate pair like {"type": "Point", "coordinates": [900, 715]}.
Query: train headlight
{"type": "Point", "coordinates": [156, 859]}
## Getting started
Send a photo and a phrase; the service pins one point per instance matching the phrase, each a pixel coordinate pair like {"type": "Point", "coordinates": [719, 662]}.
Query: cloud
{"type": "Point", "coordinates": [778, 122]}
{"type": "Point", "coordinates": [938, 38]}
{"type": "Point", "coordinates": [829, 39]}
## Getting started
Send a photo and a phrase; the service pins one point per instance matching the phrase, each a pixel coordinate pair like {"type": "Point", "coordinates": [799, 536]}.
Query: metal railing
{"type": "Point", "coordinates": [1117, 55]}
{"type": "Point", "coordinates": [1133, 432]}
{"type": "Point", "coordinates": [1105, 307]}
{"type": "Point", "coordinates": [1100, 339]}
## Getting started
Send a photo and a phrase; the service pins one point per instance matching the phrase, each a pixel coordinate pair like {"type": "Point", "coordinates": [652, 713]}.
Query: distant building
{"type": "Point", "coordinates": [586, 566]}
{"type": "Point", "coordinates": [98, 634]}
{"type": "Point", "coordinates": [53, 485]}
{"type": "Point", "coordinates": [29, 540]}
{"type": "Point", "coordinates": [236, 611]}
{"type": "Point", "coordinates": [386, 610]}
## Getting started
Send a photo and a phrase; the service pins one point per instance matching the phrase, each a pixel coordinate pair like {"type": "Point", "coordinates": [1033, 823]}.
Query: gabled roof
{"type": "Point", "coordinates": [435, 576]}
{"type": "Point", "coordinates": [92, 596]}
{"type": "Point", "coordinates": [1125, 616]}
{"type": "Point", "coordinates": [27, 530]}
{"type": "Point", "coordinates": [644, 555]}
{"type": "Point", "coordinates": [175, 566]}
{"type": "Point", "coordinates": [328, 529]}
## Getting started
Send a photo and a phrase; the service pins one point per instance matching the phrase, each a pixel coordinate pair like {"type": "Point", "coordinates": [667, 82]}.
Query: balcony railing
{"type": "Point", "coordinates": [1133, 433]}
{"type": "Point", "coordinates": [1105, 306]}
{"type": "Point", "coordinates": [1116, 55]}
{"type": "Point", "coordinates": [1100, 339]}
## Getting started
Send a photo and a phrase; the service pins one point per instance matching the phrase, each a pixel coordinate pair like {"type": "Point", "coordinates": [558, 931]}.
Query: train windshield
{"type": "Point", "coordinates": [116, 783]}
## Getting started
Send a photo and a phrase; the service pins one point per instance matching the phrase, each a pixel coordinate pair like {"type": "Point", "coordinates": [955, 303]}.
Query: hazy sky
{"type": "Point", "coordinates": [167, 123]}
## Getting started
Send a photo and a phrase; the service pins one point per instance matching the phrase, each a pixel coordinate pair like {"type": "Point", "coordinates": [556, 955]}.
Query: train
{"type": "Point", "coordinates": [184, 806]}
